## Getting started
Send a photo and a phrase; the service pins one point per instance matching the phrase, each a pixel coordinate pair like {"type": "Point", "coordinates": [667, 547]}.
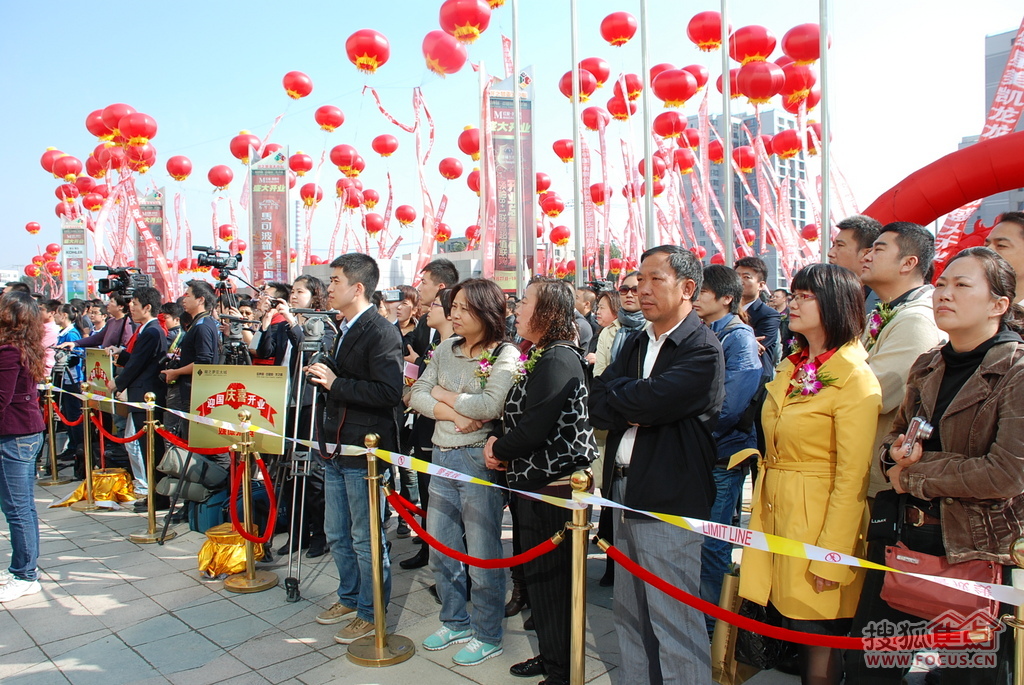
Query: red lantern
{"type": "Point", "coordinates": [220, 176]}
{"type": "Point", "coordinates": [32, 271]}
{"type": "Point", "coordinates": [803, 43]}
{"type": "Point", "coordinates": [598, 67]}
{"type": "Point", "coordinates": [101, 190]}
{"type": "Point", "coordinates": [813, 98]}
{"type": "Point", "coordinates": [473, 233]}
{"type": "Point", "coordinates": [600, 193]}
{"type": "Point", "coordinates": [683, 159]}
{"type": "Point", "coordinates": [657, 188]}
{"type": "Point", "coordinates": [473, 181]}
{"type": "Point", "coordinates": [621, 109]}
{"type": "Point", "coordinates": [112, 116]}
{"type": "Point", "coordinates": [405, 214]}
{"type": "Point", "coordinates": [716, 153]}
{"type": "Point", "coordinates": [540, 229]}
{"type": "Point", "coordinates": [300, 163]}
{"type": "Point", "coordinates": [734, 87]}
{"type": "Point", "coordinates": [760, 81]}
{"type": "Point", "coordinates": [442, 232]}
{"type": "Point", "coordinates": [311, 194]}
{"type": "Point", "coordinates": [674, 87]}
{"type": "Point", "coordinates": [53, 249]}
{"type": "Point", "coordinates": [243, 145]}
{"type": "Point", "coordinates": [469, 142]}
{"type": "Point", "coordinates": [659, 68]}
{"type": "Point", "coordinates": [140, 157]}
{"type": "Point", "coordinates": [658, 167]}
{"type": "Point", "coordinates": [85, 184]}
{"type": "Point", "coordinates": [93, 167]}
{"type": "Point", "coordinates": [614, 266]}
{"type": "Point", "coordinates": [297, 85]}
{"type": "Point", "coordinates": [718, 258]}
{"type": "Point", "coordinates": [595, 118]}
{"type": "Point", "coordinates": [814, 137]}
{"type": "Point", "coordinates": [292, 179]}
{"type": "Point", "coordinates": [112, 157]}
{"type": "Point", "coordinates": [561, 270]}
{"type": "Point", "coordinates": [93, 202]}
{"type": "Point", "coordinates": [367, 50]}
{"type": "Point", "coordinates": [705, 30]}
{"type": "Point", "coordinates": [751, 44]}
{"type": "Point", "coordinates": [373, 223]}
{"type": "Point", "coordinates": [699, 251]}
{"type": "Point", "coordinates": [237, 246]}
{"type": "Point", "coordinates": [358, 165]}
{"type": "Point", "coordinates": [226, 232]}
{"type": "Point", "coordinates": [749, 236]}
{"type": "Point", "coordinates": [344, 157]}
{"type": "Point", "coordinates": [618, 27]}
{"type": "Point", "coordinates": [450, 168]}
{"type": "Point", "coordinates": [465, 19]}
{"type": "Point", "coordinates": [809, 232]}
{"type": "Point", "coordinates": [353, 198]}
{"type": "Point", "coordinates": [634, 86]}
{"type": "Point", "coordinates": [328, 117]}
{"type": "Point", "coordinates": [370, 198]}
{"type": "Point", "coordinates": [341, 185]}
{"type": "Point", "coordinates": [551, 204]}
{"type": "Point", "coordinates": [63, 209]}
{"type": "Point", "coordinates": [137, 127]}
{"type": "Point", "coordinates": [179, 167]}
{"type": "Point", "coordinates": [384, 145]}
{"type": "Point", "coordinates": [634, 191]}
{"type": "Point", "coordinates": [800, 79]}
{"type": "Point", "coordinates": [270, 149]}
{"type": "Point", "coordinates": [48, 159]}
{"type": "Point", "coordinates": [68, 192]}
{"type": "Point", "coordinates": [293, 256]}
{"type": "Point", "coordinates": [691, 137]}
{"type": "Point", "coordinates": [33, 227]}
{"type": "Point", "coordinates": [786, 144]}
{"type": "Point", "coordinates": [67, 167]}
{"type": "Point", "coordinates": [543, 183]}
{"type": "Point", "coordinates": [563, 147]}
{"type": "Point", "coordinates": [700, 73]}
{"type": "Point", "coordinates": [443, 53]}
{"type": "Point", "coordinates": [94, 124]}
{"type": "Point", "coordinates": [559, 235]}
{"type": "Point", "coordinates": [587, 84]}
{"type": "Point", "coordinates": [53, 268]}
{"type": "Point", "coordinates": [766, 143]}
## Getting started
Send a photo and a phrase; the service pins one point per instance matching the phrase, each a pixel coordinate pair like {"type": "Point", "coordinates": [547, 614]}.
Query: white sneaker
{"type": "Point", "coordinates": [5, 577]}
{"type": "Point", "coordinates": [16, 587]}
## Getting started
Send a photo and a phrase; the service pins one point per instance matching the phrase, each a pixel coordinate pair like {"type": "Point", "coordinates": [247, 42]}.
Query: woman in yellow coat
{"type": "Point", "coordinates": [819, 421]}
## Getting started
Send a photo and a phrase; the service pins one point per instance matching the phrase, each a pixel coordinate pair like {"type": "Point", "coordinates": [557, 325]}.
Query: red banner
{"type": "Point", "coordinates": [150, 244]}
{"type": "Point", "coordinates": [268, 217]}
{"type": "Point", "coordinates": [236, 396]}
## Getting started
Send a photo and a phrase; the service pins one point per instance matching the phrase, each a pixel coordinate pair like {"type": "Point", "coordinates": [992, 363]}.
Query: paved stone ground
{"type": "Point", "coordinates": [112, 611]}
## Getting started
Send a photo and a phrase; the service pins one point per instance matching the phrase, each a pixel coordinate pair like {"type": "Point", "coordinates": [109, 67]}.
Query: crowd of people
{"type": "Point", "coordinates": [673, 387]}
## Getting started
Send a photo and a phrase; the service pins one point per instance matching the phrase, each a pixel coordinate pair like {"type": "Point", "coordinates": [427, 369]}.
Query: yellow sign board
{"type": "Point", "coordinates": [99, 368]}
{"type": "Point", "coordinates": [221, 391]}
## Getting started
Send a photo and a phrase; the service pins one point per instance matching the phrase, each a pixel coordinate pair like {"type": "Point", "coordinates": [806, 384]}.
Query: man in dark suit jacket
{"type": "Point", "coordinates": [140, 369]}
{"type": "Point", "coordinates": [361, 389]}
{"type": "Point", "coordinates": [659, 400]}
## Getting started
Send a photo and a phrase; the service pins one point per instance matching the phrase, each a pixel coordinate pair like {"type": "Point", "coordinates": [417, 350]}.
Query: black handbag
{"type": "Point", "coordinates": [757, 650]}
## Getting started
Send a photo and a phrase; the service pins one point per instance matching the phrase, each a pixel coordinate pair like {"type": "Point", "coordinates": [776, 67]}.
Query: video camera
{"type": "Point", "coordinates": [600, 285]}
{"type": "Point", "coordinates": [222, 260]}
{"type": "Point", "coordinates": [123, 279]}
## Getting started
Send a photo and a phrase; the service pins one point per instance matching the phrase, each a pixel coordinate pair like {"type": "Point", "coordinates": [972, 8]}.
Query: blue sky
{"type": "Point", "coordinates": [907, 84]}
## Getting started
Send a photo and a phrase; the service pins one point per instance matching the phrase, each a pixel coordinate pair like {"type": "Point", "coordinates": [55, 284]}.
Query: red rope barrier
{"type": "Point", "coordinates": [528, 555]}
{"type": "Point", "coordinates": [894, 643]}
{"type": "Point", "coordinates": [61, 417]}
{"type": "Point", "coordinates": [236, 480]}
{"type": "Point", "coordinates": [178, 442]}
{"type": "Point", "coordinates": [409, 506]}
{"type": "Point", "coordinates": [113, 438]}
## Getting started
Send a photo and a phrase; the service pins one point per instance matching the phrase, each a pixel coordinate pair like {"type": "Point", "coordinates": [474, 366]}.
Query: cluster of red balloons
{"type": "Point", "coordinates": [45, 263]}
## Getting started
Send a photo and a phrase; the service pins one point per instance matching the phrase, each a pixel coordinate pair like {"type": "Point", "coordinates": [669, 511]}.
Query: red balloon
{"type": "Point", "coordinates": [621, 109]}
{"type": "Point", "coordinates": [691, 136]}
{"type": "Point", "coordinates": [112, 116]}
{"type": "Point", "coordinates": [734, 86]}
{"type": "Point", "coordinates": [614, 266]}
{"type": "Point", "coordinates": [137, 127]}
{"type": "Point", "coordinates": [67, 167]}
{"type": "Point", "coordinates": [800, 80]}
{"type": "Point", "coordinates": [405, 214]}
{"type": "Point", "coordinates": [370, 198]}
{"type": "Point", "coordinates": [33, 227]}
{"type": "Point", "coordinates": [356, 183]}
{"type": "Point", "coordinates": [226, 232]}
{"type": "Point", "coordinates": [803, 43]}
{"type": "Point", "coordinates": [465, 19]}
{"type": "Point", "coordinates": [705, 30]}
{"type": "Point", "coordinates": [473, 233]}
{"type": "Point", "coordinates": [93, 202]}
{"type": "Point", "coordinates": [716, 153]}
{"type": "Point", "coordinates": [766, 141]}
{"type": "Point", "coordinates": [353, 198]}
{"type": "Point", "coordinates": [341, 185]}
{"type": "Point", "coordinates": [94, 124]}
{"type": "Point", "coordinates": [49, 157]}
{"type": "Point", "coordinates": [633, 191]}
{"type": "Point", "coordinates": [674, 87]}
{"type": "Point", "coordinates": [812, 140]}
{"type": "Point", "coordinates": [744, 157]}
{"type": "Point", "coordinates": [658, 68]}
{"type": "Point", "coordinates": [237, 246]}
{"type": "Point", "coordinates": [600, 193]}
{"type": "Point", "coordinates": [243, 145]}
{"type": "Point", "coordinates": [786, 144]}
{"type": "Point", "coordinates": [367, 50]}
{"type": "Point", "coordinates": [384, 144]}
{"type": "Point", "coordinates": [751, 44]}
{"type": "Point", "coordinates": [32, 271]}
{"type": "Point", "coordinates": [85, 184]}
{"type": "Point", "coordinates": [543, 182]}
{"type": "Point", "coordinates": [634, 87]}
{"type": "Point", "coordinates": [618, 27]}
{"type": "Point", "coordinates": [442, 232]}
{"type": "Point", "coordinates": [473, 181]}
{"type": "Point", "coordinates": [140, 157]}
{"type": "Point", "coordinates": [101, 190]}
{"type": "Point", "coordinates": [718, 258]}
{"type": "Point", "coordinates": [809, 232]}
{"type": "Point", "coordinates": [270, 149]}
{"type": "Point", "coordinates": [760, 81]}
{"type": "Point", "coordinates": [559, 235]}
{"type": "Point", "coordinates": [292, 179]}
{"type": "Point", "coordinates": [598, 67]}
{"type": "Point", "coordinates": [53, 248]}
{"type": "Point", "coordinates": [220, 176]}
{"type": "Point", "coordinates": [595, 118]}
{"type": "Point", "coordinates": [112, 157]}
{"type": "Point", "coordinates": [469, 142]}
{"type": "Point", "coordinates": [699, 250]}
{"type": "Point", "coordinates": [587, 84]}
{"type": "Point", "coordinates": [683, 159]}
{"type": "Point", "coordinates": [373, 223]}
{"type": "Point", "coordinates": [300, 163]}
{"type": "Point", "coordinates": [93, 167]}
{"type": "Point", "coordinates": [551, 204]}
{"type": "Point", "coordinates": [443, 53]}
{"type": "Point", "coordinates": [329, 117]}
{"type": "Point", "coordinates": [297, 85]}
{"type": "Point", "coordinates": [564, 149]}
{"type": "Point", "coordinates": [658, 167]}
{"type": "Point", "coordinates": [813, 98]}
{"type": "Point", "coordinates": [699, 72]}
{"type": "Point", "coordinates": [311, 194]}
{"type": "Point", "coordinates": [179, 167]}
{"type": "Point", "coordinates": [450, 168]}
{"type": "Point", "coordinates": [749, 236]}
{"type": "Point", "coordinates": [344, 157]}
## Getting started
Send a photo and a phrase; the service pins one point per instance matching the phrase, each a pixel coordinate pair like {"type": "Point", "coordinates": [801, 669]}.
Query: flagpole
{"type": "Point", "coordinates": [825, 229]}
{"type": "Point", "coordinates": [726, 126]}
{"type": "Point", "coordinates": [577, 208]}
{"type": "Point", "coordinates": [518, 142]}
{"type": "Point", "coordinates": [645, 64]}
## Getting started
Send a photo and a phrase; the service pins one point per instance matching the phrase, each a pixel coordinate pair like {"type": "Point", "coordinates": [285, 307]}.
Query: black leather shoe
{"type": "Point", "coordinates": [419, 560]}
{"type": "Point", "coordinates": [518, 601]}
{"type": "Point", "coordinates": [316, 549]}
{"type": "Point", "coordinates": [141, 506]}
{"type": "Point", "coordinates": [528, 624]}
{"type": "Point", "coordinates": [530, 668]}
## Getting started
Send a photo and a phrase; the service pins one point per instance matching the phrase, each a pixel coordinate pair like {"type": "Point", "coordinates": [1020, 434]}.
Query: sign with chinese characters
{"type": "Point", "coordinates": [508, 217]}
{"type": "Point", "coordinates": [268, 245]}
{"type": "Point", "coordinates": [151, 207]}
{"type": "Point", "coordinates": [221, 391]}
{"type": "Point", "coordinates": [75, 252]}
{"type": "Point", "coordinates": [99, 369]}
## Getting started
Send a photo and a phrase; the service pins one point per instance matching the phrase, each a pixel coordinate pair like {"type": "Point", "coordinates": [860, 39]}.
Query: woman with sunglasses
{"type": "Point", "coordinates": [630, 318]}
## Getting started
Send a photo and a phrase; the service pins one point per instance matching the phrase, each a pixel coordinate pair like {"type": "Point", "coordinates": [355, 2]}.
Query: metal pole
{"type": "Point", "coordinates": [1016, 621]}
{"type": "Point", "coordinates": [645, 64]}
{"type": "Point", "coordinates": [379, 649]}
{"type": "Point", "coordinates": [251, 580]}
{"type": "Point", "coordinates": [150, 534]}
{"type": "Point", "coordinates": [51, 430]}
{"type": "Point", "coordinates": [727, 176]}
{"type": "Point", "coordinates": [517, 138]}
{"type": "Point", "coordinates": [825, 230]}
{"type": "Point", "coordinates": [88, 504]}
{"type": "Point", "coordinates": [577, 195]}
{"type": "Point", "coordinates": [580, 527]}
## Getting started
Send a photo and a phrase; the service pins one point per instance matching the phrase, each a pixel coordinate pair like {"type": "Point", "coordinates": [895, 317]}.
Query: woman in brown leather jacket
{"type": "Point", "coordinates": [963, 485]}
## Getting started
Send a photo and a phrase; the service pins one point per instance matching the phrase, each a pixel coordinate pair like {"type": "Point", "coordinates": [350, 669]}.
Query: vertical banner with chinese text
{"type": "Point", "coordinates": [508, 216]}
{"type": "Point", "coordinates": [268, 214]}
{"type": "Point", "coordinates": [152, 208]}
{"type": "Point", "coordinates": [75, 251]}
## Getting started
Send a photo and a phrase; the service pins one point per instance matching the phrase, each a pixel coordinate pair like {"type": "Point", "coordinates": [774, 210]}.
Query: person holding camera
{"type": "Point", "coordinates": [199, 346]}
{"type": "Point", "coordinates": [272, 346]}
{"type": "Point", "coordinates": [67, 375]}
{"type": "Point", "coordinates": [959, 489]}
{"type": "Point", "coordinates": [117, 331]}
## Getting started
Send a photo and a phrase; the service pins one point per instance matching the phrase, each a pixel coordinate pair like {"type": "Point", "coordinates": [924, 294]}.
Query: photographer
{"type": "Point", "coordinates": [199, 346]}
{"type": "Point", "coordinates": [272, 347]}
{"type": "Point", "coordinates": [117, 331]}
{"type": "Point", "coordinates": [170, 317]}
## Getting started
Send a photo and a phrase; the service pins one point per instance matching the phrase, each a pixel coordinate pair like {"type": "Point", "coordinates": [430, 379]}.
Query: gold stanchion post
{"type": "Point", "coordinates": [89, 503]}
{"type": "Point", "coordinates": [51, 430]}
{"type": "Point", "coordinates": [580, 528]}
{"type": "Point", "coordinates": [1016, 622]}
{"type": "Point", "coordinates": [251, 580]}
{"type": "Point", "coordinates": [379, 649]}
{"type": "Point", "coordinates": [150, 535]}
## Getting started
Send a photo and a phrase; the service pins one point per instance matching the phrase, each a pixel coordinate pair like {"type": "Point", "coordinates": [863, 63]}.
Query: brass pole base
{"type": "Point", "coordinates": [397, 648]}
{"type": "Point", "coordinates": [262, 580]}
{"type": "Point", "coordinates": [53, 481]}
{"type": "Point", "coordinates": [144, 537]}
{"type": "Point", "coordinates": [85, 505]}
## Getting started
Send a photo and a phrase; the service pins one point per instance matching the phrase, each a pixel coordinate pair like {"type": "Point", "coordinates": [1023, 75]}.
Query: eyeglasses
{"type": "Point", "coordinates": [800, 297]}
{"type": "Point", "coordinates": [627, 289]}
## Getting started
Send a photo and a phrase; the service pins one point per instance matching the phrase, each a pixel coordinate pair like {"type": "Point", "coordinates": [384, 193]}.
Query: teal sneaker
{"type": "Point", "coordinates": [444, 637]}
{"type": "Point", "coordinates": [475, 652]}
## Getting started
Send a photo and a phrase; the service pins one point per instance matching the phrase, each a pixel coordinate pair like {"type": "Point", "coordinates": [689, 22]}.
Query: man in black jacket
{"type": "Point", "coordinates": [361, 390]}
{"type": "Point", "coordinates": [659, 401]}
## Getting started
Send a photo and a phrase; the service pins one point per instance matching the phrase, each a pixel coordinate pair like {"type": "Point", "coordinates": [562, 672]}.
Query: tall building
{"type": "Point", "coordinates": [790, 171]}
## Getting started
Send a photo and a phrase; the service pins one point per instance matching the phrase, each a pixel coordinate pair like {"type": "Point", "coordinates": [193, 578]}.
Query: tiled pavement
{"type": "Point", "coordinates": [112, 611]}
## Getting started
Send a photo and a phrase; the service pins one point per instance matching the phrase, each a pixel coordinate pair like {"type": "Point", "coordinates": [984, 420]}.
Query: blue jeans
{"type": "Point", "coordinates": [466, 509]}
{"type": "Point", "coordinates": [715, 555]}
{"type": "Point", "coordinates": [17, 485]}
{"type": "Point", "coordinates": [347, 525]}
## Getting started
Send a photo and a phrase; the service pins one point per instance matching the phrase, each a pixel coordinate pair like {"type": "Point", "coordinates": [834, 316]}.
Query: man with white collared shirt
{"type": "Point", "coordinates": [1007, 239]}
{"type": "Point", "coordinates": [660, 400]}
